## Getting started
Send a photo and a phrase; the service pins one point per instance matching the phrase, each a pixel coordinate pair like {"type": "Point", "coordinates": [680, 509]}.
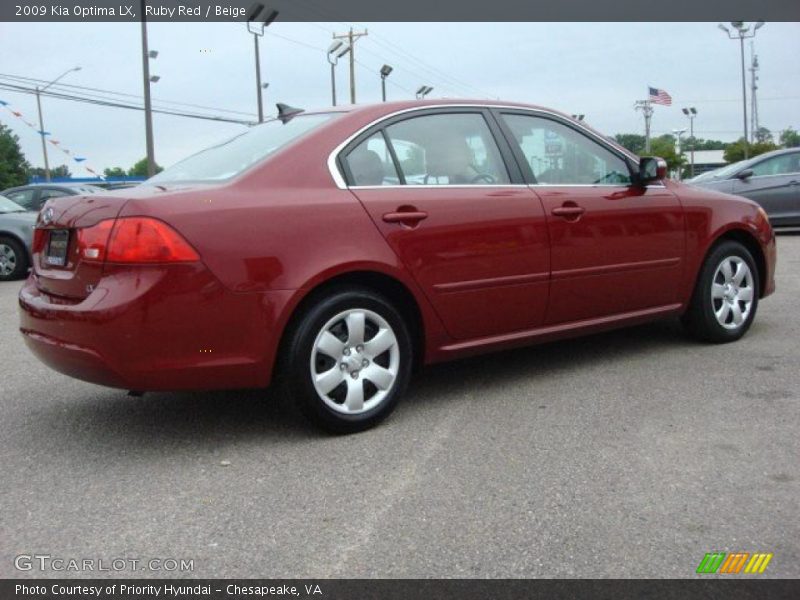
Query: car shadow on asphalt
{"type": "Point", "coordinates": [160, 421]}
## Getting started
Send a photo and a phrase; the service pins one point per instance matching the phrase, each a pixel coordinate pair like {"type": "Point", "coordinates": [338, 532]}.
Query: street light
{"type": "Point", "coordinates": [42, 132]}
{"type": "Point", "coordinates": [259, 19]}
{"type": "Point", "coordinates": [678, 133]}
{"type": "Point", "coordinates": [333, 59]}
{"type": "Point", "coordinates": [423, 91]}
{"type": "Point", "coordinates": [691, 112]}
{"type": "Point", "coordinates": [385, 70]}
{"type": "Point", "coordinates": [742, 32]}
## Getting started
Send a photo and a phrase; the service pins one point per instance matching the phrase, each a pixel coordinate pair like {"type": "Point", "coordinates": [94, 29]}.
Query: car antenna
{"type": "Point", "coordinates": [286, 112]}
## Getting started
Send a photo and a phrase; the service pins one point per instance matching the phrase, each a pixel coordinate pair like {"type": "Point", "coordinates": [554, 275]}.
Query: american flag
{"type": "Point", "coordinates": [660, 97]}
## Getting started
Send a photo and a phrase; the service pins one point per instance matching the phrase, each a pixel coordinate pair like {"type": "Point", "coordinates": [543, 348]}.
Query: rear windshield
{"type": "Point", "coordinates": [237, 154]}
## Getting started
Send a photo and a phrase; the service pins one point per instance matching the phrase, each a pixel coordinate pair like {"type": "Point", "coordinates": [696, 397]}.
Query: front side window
{"type": "Point", "coordinates": [778, 165]}
{"type": "Point", "coordinates": [237, 154]}
{"type": "Point", "coordinates": [559, 155]}
{"type": "Point", "coordinates": [447, 149]}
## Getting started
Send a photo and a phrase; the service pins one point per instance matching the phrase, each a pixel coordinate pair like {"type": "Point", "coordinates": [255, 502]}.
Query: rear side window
{"type": "Point", "coordinates": [370, 163]}
{"type": "Point", "coordinates": [447, 149]}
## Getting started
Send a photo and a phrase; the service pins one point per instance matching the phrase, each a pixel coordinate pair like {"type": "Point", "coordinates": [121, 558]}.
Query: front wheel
{"type": "Point", "coordinates": [348, 360]}
{"type": "Point", "coordinates": [725, 298]}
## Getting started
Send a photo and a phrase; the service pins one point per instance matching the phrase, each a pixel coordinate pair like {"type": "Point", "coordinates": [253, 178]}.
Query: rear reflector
{"type": "Point", "coordinates": [133, 240]}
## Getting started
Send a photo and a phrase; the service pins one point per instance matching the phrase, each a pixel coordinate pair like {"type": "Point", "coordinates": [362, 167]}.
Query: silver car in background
{"type": "Point", "coordinates": [771, 179]}
{"type": "Point", "coordinates": [16, 237]}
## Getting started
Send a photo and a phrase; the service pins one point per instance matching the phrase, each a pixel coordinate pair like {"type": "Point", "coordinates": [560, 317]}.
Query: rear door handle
{"type": "Point", "coordinates": [406, 217]}
{"type": "Point", "coordinates": [568, 212]}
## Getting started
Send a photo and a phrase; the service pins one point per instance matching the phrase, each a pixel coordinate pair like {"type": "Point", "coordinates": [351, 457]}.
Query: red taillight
{"type": "Point", "coordinates": [93, 241]}
{"type": "Point", "coordinates": [39, 235]}
{"type": "Point", "coordinates": [134, 240]}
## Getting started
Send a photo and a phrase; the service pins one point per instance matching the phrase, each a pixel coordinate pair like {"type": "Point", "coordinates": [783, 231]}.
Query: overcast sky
{"type": "Point", "coordinates": [598, 69]}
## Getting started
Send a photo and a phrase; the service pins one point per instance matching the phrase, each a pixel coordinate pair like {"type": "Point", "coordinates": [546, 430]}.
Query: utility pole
{"type": "Point", "coordinates": [352, 38]}
{"type": "Point", "coordinates": [754, 126]}
{"type": "Point", "coordinates": [647, 110]}
{"type": "Point", "coordinates": [148, 108]}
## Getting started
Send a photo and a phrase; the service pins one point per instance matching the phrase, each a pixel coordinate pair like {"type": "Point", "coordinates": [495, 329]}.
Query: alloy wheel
{"type": "Point", "coordinates": [355, 361]}
{"type": "Point", "coordinates": [732, 292]}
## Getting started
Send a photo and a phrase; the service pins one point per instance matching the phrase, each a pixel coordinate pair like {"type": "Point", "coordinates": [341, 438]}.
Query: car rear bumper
{"type": "Point", "coordinates": [156, 328]}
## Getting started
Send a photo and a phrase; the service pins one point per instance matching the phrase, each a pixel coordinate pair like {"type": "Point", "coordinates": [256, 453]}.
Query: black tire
{"type": "Point", "coordinates": [700, 318]}
{"type": "Point", "coordinates": [296, 369]}
{"type": "Point", "coordinates": [17, 254]}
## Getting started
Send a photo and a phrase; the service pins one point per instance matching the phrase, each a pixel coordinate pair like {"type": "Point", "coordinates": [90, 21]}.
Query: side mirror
{"type": "Point", "coordinates": [745, 175]}
{"type": "Point", "coordinates": [651, 168]}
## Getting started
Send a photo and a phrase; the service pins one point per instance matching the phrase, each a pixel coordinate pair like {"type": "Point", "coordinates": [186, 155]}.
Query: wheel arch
{"type": "Point", "coordinates": [389, 286]}
{"type": "Point", "coordinates": [747, 239]}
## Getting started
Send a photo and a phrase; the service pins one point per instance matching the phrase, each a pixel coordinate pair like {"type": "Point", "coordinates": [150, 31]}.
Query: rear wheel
{"type": "Point", "coordinates": [13, 259]}
{"type": "Point", "coordinates": [725, 298]}
{"type": "Point", "coordinates": [348, 360]}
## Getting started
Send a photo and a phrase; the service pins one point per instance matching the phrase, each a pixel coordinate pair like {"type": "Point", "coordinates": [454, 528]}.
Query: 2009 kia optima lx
{"type": "Point", "coordinates": [338, 248]}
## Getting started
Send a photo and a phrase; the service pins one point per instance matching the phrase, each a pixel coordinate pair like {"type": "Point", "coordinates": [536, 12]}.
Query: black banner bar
{"type": "Point", "coordinates": [407, 10]}
{"type": "Point", "coordinates": [401, 589]}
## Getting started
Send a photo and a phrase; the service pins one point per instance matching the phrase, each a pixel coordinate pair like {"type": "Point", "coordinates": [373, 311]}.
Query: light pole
{"type": "Point", "coordinates": [385, 70]}
{"type": "Point", "coordinates": [333, 60]}
{"type": "Point", "coordinates": [678, 133]}
{"type": "Point", "coordinates": [42, 132]}
{"type": "Point", "coordinates": [742, 32]}
{"type": "Point", "coordinates": [691, 113]}
{"type": "Point", "coordinates": [258, 20]}
{"type": "Point", "coordinates": [423, 91]}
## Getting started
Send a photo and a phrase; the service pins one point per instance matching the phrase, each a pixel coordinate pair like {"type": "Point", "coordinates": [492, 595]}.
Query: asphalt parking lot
{"type": "Point", "coordinates": [629, 454]}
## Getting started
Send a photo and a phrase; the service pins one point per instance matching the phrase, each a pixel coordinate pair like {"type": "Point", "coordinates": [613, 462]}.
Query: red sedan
{"type": "Point", "coordinates": [335, 250]}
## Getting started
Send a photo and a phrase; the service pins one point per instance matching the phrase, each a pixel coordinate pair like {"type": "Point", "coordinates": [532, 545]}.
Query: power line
{"type": "Point", "coordinates": [70, 87]}
{"type": "Point", "coordinates": [88, 100]}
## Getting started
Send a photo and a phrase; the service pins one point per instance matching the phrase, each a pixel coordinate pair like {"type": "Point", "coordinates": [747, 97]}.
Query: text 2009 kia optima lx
{"type": "Point", "coordinates": [336, 249]}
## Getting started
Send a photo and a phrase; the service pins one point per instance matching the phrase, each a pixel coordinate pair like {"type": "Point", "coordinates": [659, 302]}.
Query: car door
{"type": "Point", "coordinates": [615, 248]}
{"type": "Point", "coordinates": [775, 185]}
{"type": "Point", "coordinates": [444, 191]}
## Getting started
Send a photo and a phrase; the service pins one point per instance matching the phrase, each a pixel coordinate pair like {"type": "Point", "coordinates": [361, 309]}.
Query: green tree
{"type": "Point", "coordinates": [763, 135]}
{"type": "Point", "coordinates": [702, 144]}
{"type": "Point", "coordinates": [735, 151]}
{"type": "Point", "coordinates": [13, 166]}
{"type": "Point", "coordinates": [140, 169]}
{"type": "Point", "coordinates": [632, 141]}
{"type": "Point", "coordinates": [59, 171]}
{"type": "Point", "coordinates": [115, 172]}
{"type": "Point", "coordinates": [664, 147]}
{"type": "Point", "coordinates": [790, 138]}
